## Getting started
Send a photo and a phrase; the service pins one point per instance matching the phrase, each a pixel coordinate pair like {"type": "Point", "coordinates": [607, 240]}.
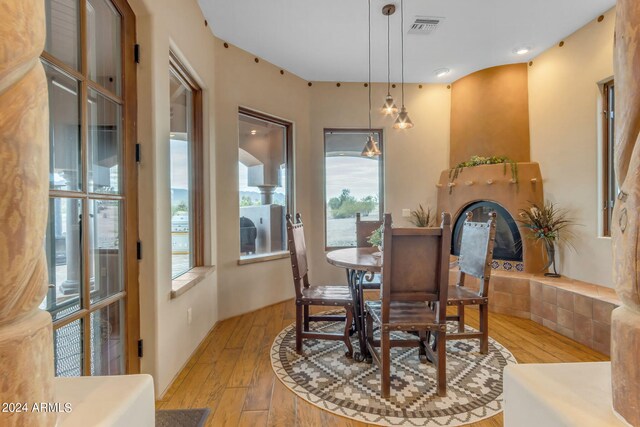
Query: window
{"type": "Point", "coordinates": [185, 170]}
{"type": "Point", "coordinates": [265, 177]}
{"type": "Point", "coordinates": [353, 184]}
{"type": "Point", "coordinates": [609, 186]}
{"type": "Point", "coordinates": [92, 228]}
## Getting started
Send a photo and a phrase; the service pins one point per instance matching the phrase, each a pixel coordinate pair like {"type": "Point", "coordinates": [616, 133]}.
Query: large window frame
{"type": "Point", "coordinates": [127, 198]}
{"type": "Point", "coordinates": [380, 133]}
{"type": "Point", "coordinates": [196, 175]}
{"type": "Point", "coordinates": [289, 177]}
{"type": "Point", "coordinates": [609, 187]}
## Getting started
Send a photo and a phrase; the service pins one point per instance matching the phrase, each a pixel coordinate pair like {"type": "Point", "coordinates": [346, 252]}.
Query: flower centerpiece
{"type": "Point", "coordinates": [549, 225]}
{"type": "Point", "coordinates": [375, 239]}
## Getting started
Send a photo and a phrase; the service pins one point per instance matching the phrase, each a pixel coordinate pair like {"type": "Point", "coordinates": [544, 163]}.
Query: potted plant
{"type": "Point", "coordinates": [421, 217]}
{"type": "Point", "coordinates": [549, 225]}
{"type": "Point", "coordinates": [375, 239]}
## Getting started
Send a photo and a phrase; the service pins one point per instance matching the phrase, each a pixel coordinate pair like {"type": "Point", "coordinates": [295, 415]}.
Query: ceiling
{"type": "Point", "coordinates": [327, 40]}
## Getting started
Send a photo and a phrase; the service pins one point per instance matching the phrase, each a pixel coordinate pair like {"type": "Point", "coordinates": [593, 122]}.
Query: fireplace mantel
{"type": "Point", "coordinates": [494, 183]}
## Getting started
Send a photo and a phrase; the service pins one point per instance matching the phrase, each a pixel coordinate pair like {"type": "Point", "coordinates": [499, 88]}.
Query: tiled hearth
{"type": "Point", "coordinates": [578, 310]}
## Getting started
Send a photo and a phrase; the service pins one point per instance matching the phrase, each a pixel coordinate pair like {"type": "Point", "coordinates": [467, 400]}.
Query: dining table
{"type": "Point", "coordinates": [361, 264]}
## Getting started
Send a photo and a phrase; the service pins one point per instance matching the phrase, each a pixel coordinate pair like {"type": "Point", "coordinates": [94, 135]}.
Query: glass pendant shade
{"type": "Point", "coordinates": [371, 148]}
{"type": "Point", "coordinates": [403, 121]}
{"type": "Point", "coordinates": [389, 106]}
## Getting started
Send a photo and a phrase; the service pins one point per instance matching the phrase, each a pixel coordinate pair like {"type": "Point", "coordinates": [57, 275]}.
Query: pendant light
{"type": "Point", "coordinates": [389, 108]}
{"type": "Point", "coordinates": [371, 148]}
{"type": "Point", "coordinates": [403, 121]}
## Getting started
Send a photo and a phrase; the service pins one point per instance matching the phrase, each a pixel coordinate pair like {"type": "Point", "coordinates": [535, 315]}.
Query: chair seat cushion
{"type": "Point", "coordinates": [327, 295]}
{"type": "Point", "coordinates": [405, 315]}
{"type": "Point", "coordinates": [464, 295]}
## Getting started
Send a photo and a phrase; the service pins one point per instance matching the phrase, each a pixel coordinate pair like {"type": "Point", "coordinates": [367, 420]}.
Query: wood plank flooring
{"type": "Point", "coordinates": [230, 372]}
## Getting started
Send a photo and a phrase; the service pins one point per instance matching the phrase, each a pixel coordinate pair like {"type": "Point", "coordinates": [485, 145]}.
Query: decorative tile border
{"type": "Point", "coordinates": [502, 265]}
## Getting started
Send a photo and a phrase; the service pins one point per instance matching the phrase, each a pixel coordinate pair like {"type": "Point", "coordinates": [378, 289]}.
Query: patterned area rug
{"type": "Point", "coordinates": [325, 377]}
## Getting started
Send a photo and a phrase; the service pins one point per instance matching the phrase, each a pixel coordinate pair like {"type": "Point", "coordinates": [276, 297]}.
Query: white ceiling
{"type": "Point", "coordinates": [327, 40]}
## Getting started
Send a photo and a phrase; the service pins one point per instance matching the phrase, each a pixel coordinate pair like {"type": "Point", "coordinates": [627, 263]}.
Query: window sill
{"type": "Point", "coordinates": [263, 258]}
{"type": "Point", "coordinates": [188, 280]}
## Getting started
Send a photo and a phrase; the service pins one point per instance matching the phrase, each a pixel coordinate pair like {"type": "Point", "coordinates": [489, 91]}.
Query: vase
{"type": "Point", "coordinates": [550, 247]}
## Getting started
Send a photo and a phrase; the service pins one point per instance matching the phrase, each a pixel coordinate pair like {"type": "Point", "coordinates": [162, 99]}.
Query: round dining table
{"type": "Point", "coordinates": [360, 264]}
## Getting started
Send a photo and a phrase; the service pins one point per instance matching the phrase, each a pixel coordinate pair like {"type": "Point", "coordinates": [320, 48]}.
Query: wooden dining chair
{"type": "Point", "coordinates": [364, 230]}
{"type": "Point", "coordinates": [307, 295]}
{"type": "Point", "coordinates": [476, 254]}
{"type": "Point", "coordinates": [415, 273]}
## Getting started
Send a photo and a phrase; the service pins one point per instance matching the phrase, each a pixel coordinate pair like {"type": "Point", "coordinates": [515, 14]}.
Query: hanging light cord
{"type": "Point", "coordinates": [388, 56]}
{"type": "Point", "coordinates": [369, 4]}
{"type": "Point", "coordinates": [402, 45]}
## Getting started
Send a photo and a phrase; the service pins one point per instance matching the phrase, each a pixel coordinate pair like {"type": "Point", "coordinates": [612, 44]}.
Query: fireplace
{"type": "Point", "coordinates": [508, 244]}
{"type": "Point", "coordinates": [487, 188]}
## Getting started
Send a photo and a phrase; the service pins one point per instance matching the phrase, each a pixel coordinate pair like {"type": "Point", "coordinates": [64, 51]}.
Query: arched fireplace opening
{"type": "Point", "coordinates": [508, 244]}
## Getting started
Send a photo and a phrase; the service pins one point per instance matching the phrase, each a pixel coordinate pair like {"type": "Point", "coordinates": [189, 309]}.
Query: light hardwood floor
{"type": "Point", "coordinates": [230, 372]}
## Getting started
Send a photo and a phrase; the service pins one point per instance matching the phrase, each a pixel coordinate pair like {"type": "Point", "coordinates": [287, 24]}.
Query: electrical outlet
{"type": "Point", "coordinates": [406, 213]}
{"type": "Point", "coordinates": [189, 315]}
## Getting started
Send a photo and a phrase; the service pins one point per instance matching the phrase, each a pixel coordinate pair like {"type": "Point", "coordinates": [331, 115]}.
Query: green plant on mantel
{"type": "Point", "coordinates": [479, 161]}
{"type": "Point", "coordinates": [421, 217]}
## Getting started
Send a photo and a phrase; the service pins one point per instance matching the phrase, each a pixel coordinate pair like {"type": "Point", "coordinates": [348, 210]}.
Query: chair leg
{"type": "Point", "coordinates": [442, 364]}
{"type": "Point", "coordinates": [461, 318]}
{"type": "Point", "coordinates": [306, 318]}
{"type": "Point", "coordinates": [422, 351]}
{"type": "Point", "coordinates": [385, 368]}
{"type": "Point", "coordinates": [369, 328]}
{"type": "Point", "coordinates": [484, 328]}
{"type": "Point", "coordinates": [299, 310]}
{"type": "Point", "coordinates": [347, 329]}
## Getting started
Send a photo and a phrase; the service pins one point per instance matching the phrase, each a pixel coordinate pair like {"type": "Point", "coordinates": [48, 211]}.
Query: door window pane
{"type": "Point", "coordinates": [63, 31]}
{"type": "Point", "coordinates": [103, 44]}
{"type": "Point", "coordinates": [180, 140]}
{"type": "Point", "coordinates": [64, 257]}
{"type": "Point", "coordinates": [107, 340]}
{"type": "Point", "coordinates": [352, 185]}
{"type": "Point", "coordinates": [64, 130]}
{"type": "Point", "coordinates": [106, 264]}
{"type": "Point", "coordinates": [263, 171]}
{"type": "Point", "coordinates": [67, 342]}
{"type": "Point", "coordinates": [105, 144]}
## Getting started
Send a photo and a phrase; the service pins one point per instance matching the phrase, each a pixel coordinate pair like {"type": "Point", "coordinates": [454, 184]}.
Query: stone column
{"type": "Point", "coordinates": [26, 351]}
{"type": "Point", "coordinates": [625, 322]}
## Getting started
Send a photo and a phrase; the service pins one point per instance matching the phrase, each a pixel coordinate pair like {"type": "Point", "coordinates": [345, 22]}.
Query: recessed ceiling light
{"type": "Point", "coordinates": [441, 72]}
{"type": "Point", "coordinates": [522, 50]}
{"type": "Point", "coordinates": [253, 132]}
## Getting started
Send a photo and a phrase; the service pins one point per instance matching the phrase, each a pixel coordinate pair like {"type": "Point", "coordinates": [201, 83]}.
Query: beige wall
{"type": "Point", "coordinates": [490, 114]}
{"type": "Point", "coordinates": [169, 339]}
{"type": "Point", "coordinates": [413, 158]}
{"type": "Point", "coordinates": [565, 136]}
{"type": "Point", "coordinates": [241, 82]}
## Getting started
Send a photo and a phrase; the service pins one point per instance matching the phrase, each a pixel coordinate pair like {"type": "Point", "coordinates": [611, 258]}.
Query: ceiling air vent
{"type": "Point", "coordinates": [425, 25]}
